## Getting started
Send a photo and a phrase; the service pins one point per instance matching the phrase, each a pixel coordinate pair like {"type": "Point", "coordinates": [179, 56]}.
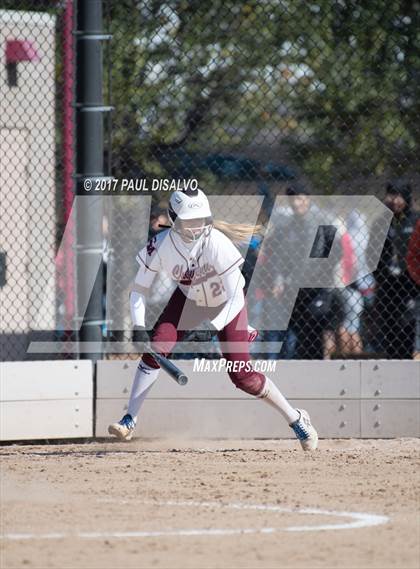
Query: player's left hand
{"type": "Point", "coordinates": [140, 334]}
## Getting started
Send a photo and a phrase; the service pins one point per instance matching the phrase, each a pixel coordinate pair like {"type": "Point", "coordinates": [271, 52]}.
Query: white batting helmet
{"type": "Point", "coordinates": [185, 205]}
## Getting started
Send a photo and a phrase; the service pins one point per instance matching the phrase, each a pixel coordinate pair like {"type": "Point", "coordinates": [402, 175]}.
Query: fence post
{"type": "Point", "coordinates": [90, 164]}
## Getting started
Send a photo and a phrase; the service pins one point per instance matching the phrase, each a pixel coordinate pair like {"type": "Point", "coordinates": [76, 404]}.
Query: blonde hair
{"type": "Point", "coordinates": [237, 232]}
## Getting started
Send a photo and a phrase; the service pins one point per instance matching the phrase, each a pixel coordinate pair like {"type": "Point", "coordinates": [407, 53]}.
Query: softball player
{"type": "Point", "coordinates": [206, 267]}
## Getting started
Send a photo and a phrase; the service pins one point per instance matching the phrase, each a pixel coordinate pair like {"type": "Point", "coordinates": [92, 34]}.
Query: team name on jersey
{"type": "Point", "coordinates": [196, 275]}
{"type": "Point", "coordinates": [151, 245]}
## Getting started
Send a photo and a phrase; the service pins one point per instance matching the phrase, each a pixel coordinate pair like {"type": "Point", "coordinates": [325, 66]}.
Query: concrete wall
{"type": "Point", "coordinates": [55, 399]}
{"type": "Point", "coordinates": [344, 398]}
{"type": "Point", "coordinates": [46, 400]}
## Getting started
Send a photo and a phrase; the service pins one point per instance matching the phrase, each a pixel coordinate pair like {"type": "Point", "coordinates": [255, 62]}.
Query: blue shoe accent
{"type": "Point", "coordinates": [299, 429]}
{"type": "Point", "coordinates": [304, 431]}
{"type": "Point", "coordinates": [128, 422]}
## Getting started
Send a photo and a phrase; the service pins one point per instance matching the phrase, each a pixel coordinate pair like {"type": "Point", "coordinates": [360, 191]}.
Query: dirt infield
{"type": "Point", "coordinates": [204, 504]}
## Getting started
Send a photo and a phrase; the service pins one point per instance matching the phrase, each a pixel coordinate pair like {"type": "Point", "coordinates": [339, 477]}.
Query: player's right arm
{"type": "Point", "coordinates": [149, 266]}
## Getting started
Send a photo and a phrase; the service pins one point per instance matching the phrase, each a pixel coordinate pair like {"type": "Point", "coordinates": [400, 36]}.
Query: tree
{"type": "Point", "coordinates": [336, 82]}
{"type": "Point", "coordinates": [358, 110]}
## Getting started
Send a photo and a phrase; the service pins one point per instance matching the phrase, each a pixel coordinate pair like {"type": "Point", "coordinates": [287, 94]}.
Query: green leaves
{"type": "Point", "coordinates": [337, 84]}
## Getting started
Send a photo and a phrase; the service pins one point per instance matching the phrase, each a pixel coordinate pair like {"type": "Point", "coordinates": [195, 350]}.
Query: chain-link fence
{"type": "Point", "coordinates": [36, 184]}
{"type": "Point", "coordinates": [269, 105]}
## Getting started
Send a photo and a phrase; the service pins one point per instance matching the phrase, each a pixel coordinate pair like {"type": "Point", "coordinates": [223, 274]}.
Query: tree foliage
{"type": "Point", "coordinates": [336, 82]}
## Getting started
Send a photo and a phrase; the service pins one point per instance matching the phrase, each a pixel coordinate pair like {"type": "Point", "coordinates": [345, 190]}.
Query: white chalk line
{"type": "Point", "coordinates": [358, 520]}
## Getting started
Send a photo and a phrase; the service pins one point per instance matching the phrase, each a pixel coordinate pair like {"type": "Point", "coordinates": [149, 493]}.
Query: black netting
{"type": "Point", "coordinates": [269, 105]}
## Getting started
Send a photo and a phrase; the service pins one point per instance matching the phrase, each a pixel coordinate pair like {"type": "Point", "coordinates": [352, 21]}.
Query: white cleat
{"type": "Point", "coordinates": [304, 431]}
{"type": "Point", "coordinates": [124, 429]}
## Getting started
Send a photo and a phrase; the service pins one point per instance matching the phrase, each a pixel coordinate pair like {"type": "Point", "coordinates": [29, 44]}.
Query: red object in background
{"type": "Point", "coordinates": [69, 284]}
{"type": "Point", "coordinates": [20, 50]}
{"type": "Point", "coordinates": [413, 255]}
{"type": "Point", "coordinates": [348, 261]}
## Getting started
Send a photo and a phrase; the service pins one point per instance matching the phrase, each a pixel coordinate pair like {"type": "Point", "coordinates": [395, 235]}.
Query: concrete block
{"type": "Point", "coordinates": [46, 400]}
{"type": "Point", "coordinates": [298, 379]}
{"type": "Point", "coordinates": [225, 418]}
{"type": "Point", "coordinates": [390, 418]}
{"type": "Point", "coordinates": [382, 379]}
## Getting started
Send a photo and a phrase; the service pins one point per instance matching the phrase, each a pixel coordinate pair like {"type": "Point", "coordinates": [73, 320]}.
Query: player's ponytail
{"type": "Point", "coordinates": [237, 232]}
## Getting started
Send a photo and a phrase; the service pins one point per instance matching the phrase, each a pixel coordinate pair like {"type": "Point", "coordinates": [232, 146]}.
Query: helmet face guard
{"type": "Point", "coordinates": [190, 229]}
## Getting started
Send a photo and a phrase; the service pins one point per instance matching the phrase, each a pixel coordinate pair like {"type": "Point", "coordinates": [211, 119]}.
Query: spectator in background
{"type": "Point", "coordinates": [354, 297]}
{"type": "Point", "coordinates": [304, 338]}
{"type": "Point", "coordinates": [395, 290]}
{"type": "Point", "coordinates": [158, 221]}
{"type": "Point", "coordinates": [413, 265]}
{"type": "Point", "coordinates": [255, 306]}
{"type": "Point", "coordinates": [342, 334]}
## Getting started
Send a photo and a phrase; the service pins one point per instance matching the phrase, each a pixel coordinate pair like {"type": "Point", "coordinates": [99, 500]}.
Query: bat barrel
{"type": "Point", "coordinates": [169, 367]}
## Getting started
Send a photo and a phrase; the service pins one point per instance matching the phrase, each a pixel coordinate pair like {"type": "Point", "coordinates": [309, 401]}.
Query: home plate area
{"type": "Point", "coordinates": [210, 504]}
